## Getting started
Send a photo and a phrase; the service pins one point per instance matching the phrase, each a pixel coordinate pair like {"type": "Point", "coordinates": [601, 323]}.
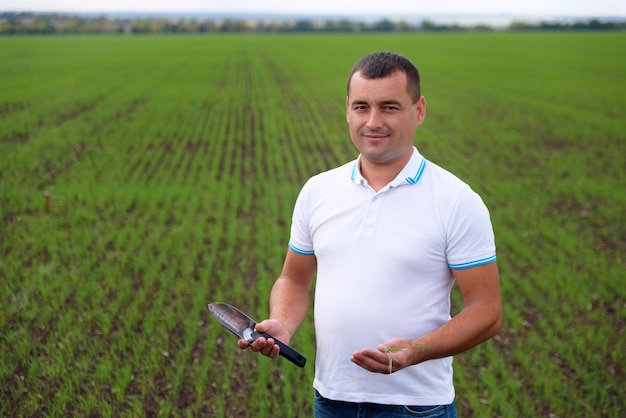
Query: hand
{"type": "Point", "coordinates": [267, 347]}
{"type": "Point", "coordinates": [390, 357]}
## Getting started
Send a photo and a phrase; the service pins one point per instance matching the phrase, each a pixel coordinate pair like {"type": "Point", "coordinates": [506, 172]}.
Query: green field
{"type": "Point", "coordinates": [144, 177]}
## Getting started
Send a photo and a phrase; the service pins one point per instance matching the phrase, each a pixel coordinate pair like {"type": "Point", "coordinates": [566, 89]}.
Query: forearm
{"type": "Point", "coordinates": [478, 321]}
{"type": "Point", "coordinates": [472, 326]}
{"type": "Point", "coordinates": [289, 301]}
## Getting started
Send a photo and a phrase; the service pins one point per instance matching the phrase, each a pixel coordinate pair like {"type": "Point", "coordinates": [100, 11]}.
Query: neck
{"type": "Point", "coordinates": [380, 175]}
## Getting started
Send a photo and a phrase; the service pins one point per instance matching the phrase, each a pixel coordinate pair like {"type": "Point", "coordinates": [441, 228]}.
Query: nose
{"type": "Point", "coordinates": [374, 121]}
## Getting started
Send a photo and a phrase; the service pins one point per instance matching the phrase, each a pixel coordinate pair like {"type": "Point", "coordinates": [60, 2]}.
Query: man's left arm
{"type": "Point", "coordinates": [478, 321]}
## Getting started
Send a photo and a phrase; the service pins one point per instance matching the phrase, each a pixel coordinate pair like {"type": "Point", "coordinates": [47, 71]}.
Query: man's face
{"type": "Point", "coordinates": [383, 119]}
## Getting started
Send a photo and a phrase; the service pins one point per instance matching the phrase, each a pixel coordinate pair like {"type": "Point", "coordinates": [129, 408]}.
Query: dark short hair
{"type": "Point", "coordinates": [383, 64]}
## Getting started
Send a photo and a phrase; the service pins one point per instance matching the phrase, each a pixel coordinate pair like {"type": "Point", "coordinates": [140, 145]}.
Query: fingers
{"type": "Point", "coordinates": [266, 346]}
{"type": "Point", "coordinates": [261, 345]}
{"type": "Point", "coordinates": [263, 326]}
{"type": "Point", "coordinates": [374, 361]}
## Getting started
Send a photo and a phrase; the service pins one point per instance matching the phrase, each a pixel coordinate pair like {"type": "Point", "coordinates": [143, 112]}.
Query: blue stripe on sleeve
{"type": "Point", "coordinates": [299, 251]}
{"type": "Point", "coordinates": [471, 264]}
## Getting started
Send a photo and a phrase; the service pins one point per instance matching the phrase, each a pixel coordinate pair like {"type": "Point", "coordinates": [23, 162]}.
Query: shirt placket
{"type": "Point", "coordinates": [370, 216]}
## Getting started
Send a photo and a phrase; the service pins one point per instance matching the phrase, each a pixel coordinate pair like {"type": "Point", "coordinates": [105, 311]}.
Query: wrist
{"type": "Point", "coordinates": [419, 352]}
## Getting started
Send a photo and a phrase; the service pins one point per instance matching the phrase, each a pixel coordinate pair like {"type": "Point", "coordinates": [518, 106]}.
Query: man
{"type": "Point", "coordinates": [386, 236]}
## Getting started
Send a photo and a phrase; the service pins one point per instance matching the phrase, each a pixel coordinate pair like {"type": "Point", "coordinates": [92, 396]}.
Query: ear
{"type": "Point", "coordinates": [421, 110]}
{"type": "Point", "coordinates": [347, 108]}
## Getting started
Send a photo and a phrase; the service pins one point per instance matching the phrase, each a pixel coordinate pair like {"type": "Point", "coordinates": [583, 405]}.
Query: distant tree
{"type": "Point", "coordinates": [343, 25]}
{"type": "Point", "coordinates": [481, 27]}
{"type": "Point", "coordinates": [346, 26]}
{"type": "Point", "coordinates": [429, 25]}
{"type": "Point", "coordinates": [403, 26]}
{"type": "Point", "coordinates": [384, 25]}
{"type": "Point", "coordinates": [595, 24]}
{"type": "Point", "coordinates": [11, 26]}
{"type": "Point", "coordinates": [42, 25]}
{"type": "Point", "coordinates": [521, 26]}
{"type": "Point", "coordinates": [303, 25]}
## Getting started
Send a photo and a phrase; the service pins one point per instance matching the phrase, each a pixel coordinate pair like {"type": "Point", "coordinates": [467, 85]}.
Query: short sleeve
{"type": "Point", "coordinates": [300, 240]}
{"type": "Point", "coordinates": [470, 237]}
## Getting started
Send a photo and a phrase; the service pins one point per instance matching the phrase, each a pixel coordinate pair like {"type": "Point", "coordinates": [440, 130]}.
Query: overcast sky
{"type": "Point", "coordinates": [585, 8]}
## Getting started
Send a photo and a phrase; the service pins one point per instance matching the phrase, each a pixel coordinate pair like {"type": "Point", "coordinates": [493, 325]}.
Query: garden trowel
{"type": "Point", "coordinates": [242, 326]}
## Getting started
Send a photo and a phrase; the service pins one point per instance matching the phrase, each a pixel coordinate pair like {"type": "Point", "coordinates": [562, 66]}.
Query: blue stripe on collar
{"type": "Point", "coordinates": [353, 175]}
{"type": "Point", "coordinates": [420, 171]}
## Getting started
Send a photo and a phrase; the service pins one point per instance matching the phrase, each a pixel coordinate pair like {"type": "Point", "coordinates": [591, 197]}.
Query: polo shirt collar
{"type": "Point", "coordinates": [410, 174]}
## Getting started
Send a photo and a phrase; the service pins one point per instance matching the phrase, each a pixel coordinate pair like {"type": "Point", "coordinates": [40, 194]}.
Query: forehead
{"type": "Point", "coordinates": [392, 87]}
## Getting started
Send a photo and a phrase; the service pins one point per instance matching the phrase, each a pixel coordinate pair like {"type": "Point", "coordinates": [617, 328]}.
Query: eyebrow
{"type": "Point", "coordinates": [384, 102]}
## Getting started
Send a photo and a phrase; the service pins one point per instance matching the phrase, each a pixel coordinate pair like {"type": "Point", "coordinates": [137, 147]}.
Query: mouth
{"type": "Point", "coordinates": [374, 136]}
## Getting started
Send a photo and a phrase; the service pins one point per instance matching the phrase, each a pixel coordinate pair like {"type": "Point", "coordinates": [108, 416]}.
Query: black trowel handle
{"type": "Point", "coordinates": [285, 351]}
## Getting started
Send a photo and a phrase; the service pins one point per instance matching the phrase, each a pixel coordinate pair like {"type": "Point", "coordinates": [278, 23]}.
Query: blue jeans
{"type": "Point", "coordinates": [326, 408]}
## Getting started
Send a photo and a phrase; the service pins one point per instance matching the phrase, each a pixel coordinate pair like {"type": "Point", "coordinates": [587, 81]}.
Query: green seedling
{"type": "Point", "coordinates": [395, 349]}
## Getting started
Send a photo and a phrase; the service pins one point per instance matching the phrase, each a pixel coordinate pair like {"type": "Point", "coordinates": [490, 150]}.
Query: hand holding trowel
{"type": "Point", "coordinates": [242, 326]}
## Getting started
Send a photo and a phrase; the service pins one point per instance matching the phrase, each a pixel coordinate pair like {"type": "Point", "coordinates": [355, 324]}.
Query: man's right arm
{"type": "Point", "coordinates": [289, 301]}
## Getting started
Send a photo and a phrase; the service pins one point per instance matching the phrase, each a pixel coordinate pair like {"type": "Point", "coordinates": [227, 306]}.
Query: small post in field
{"type": "Point", "coordinates": [48, 198]}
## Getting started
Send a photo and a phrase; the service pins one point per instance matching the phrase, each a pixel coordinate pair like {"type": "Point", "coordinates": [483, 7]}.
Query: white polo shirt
{"type": "Point", "coordinates": [384, 271]}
